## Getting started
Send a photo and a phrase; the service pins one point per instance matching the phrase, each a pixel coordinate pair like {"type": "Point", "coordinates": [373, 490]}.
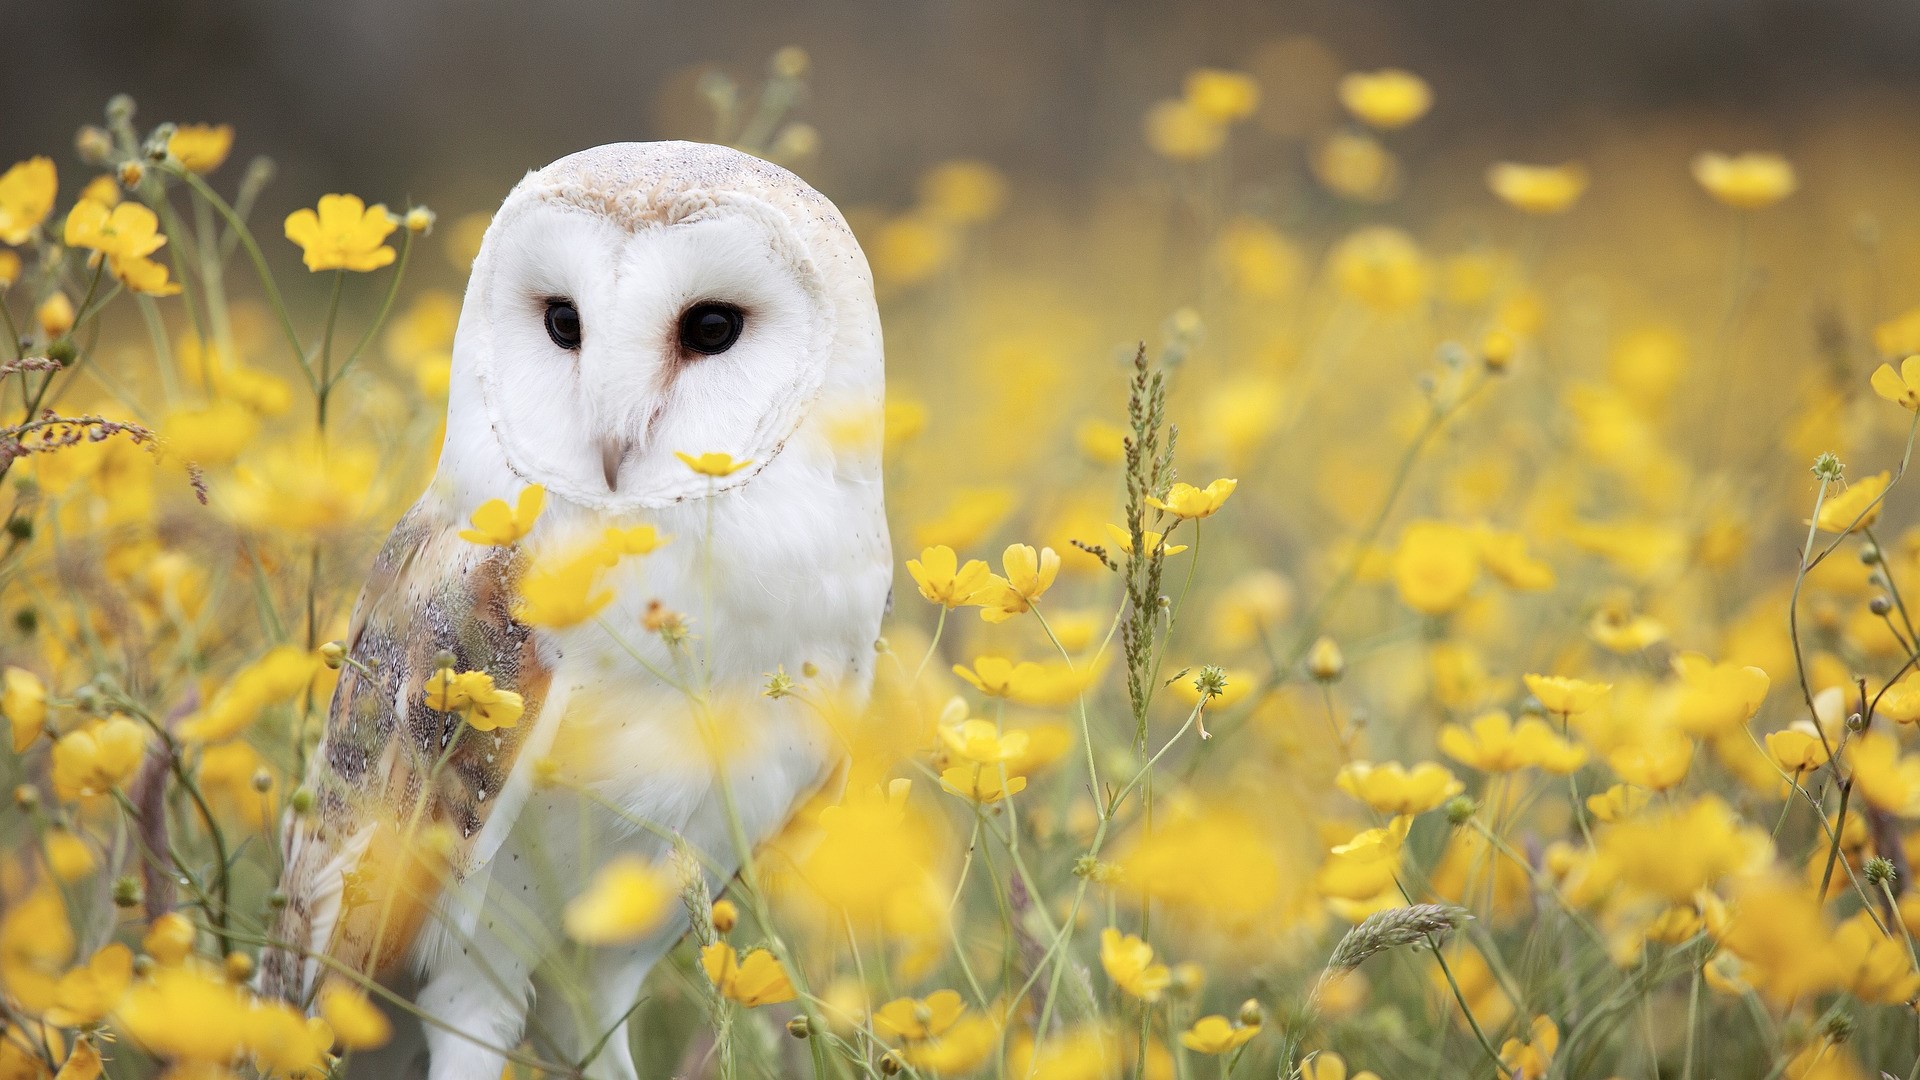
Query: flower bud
{"type": "Point", "coordinates": [20, 528]}
{"type": "Point", "coordinates": [891, 1065]}
{"type": "Point", "coordinates": [1880, 605]}
{"type": "Point", "coordinates": [333, 654]}
{"type": "Point", "coordinates": [1250, 1013]}
{"type": "Point", "coordinates": [127, 892]}
{"type": "Point", "coordinates": [131, 173]}
{"type": "Point", "coordinates": [791, 62]}
{"type": "Point", "coordinates": [1870, 553]}
{"type": "Point", "coordinates": [276, 899]}
{"type": "Point", "coordinates": [419, 219]}
{"type": "Point", "coordinates": [27, 798]}
{"type": "Point", "coordinates": [1324, 661]}
{"type": "Point", "coordinates": [444, 659]}
{"type": "Point", "coordinates": [1828, 467]}
{"type": "Point", "coordinates": [1460, 810]}
{"type": "Point", "coordinates": [1496, 351]}
{"type": "Point", "coordinates": [799, 1028]}
{"type": "Point", "coordinates": [239, 967]}
{"type": "Point", "coordinates": [1856, 723]}
{"type": "Point", "coordinates": [93, 144]}
{"type": "Point", "coordinates": [262, 780]}
{"type": "Point", "coordinates": [725, 916]}
{"type": "Point", "coordinates": [1839, 1028]}
{"type": "Point", "coordinates": [120, 109]}
{"type": "Point", "coordinates": [62, 352]}
{"type": "Point", "coordinates": [301, 801]}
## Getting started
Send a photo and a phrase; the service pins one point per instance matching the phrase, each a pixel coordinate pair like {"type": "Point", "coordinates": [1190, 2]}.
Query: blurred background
{"type": "Point", "coordinates": [451, 100]}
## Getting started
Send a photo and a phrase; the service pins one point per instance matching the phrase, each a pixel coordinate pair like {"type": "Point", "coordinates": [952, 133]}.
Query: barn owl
{"type": "Point", "coordinates": [629, 303]}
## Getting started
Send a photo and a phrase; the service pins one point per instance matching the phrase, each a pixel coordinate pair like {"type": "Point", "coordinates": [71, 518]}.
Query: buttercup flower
{"type": "Point", "coordinates": [1493, 743]}
{"type": "Point", "coordinates": [1029, 575]}
{"type": "Point", "coordinates": [1189, 503]}
{"type": "Point", "coordinates": [1530, 1058]}
{"type": "Point", "coordinates": [96, 759]}
{"type": "Point", "coordinates": [979, 742]}
{"type": "Point", "coordinates": [356, 1023]}
{"type": "Point", "coordinates": [1796, 750]}
{"type": "Point", "coordinates": [996, 676]}
{"type": "Point", "coordinates": [1152, 541]}
{"type": "Point", "coordinates": [1567, 697]}
{"type": "Point", "coordinates": [473, 695]}
{"type": "Point", "coordinates": [23, 699]}
{"type": "Point", "coordinates": [981, 783]}
{"type": "Point", "coordinates": [1222, 96]}
{"type": "Point", "coordinates": [1129, 963]}
{"type": "Point", "coordinates": [26, 198]}
{"type": "Point", "coordinates": [1854, 508]}
{"type": "Point", "coordinates": [500, 525]}
{"type": "Point", "coordinates": [1901, 387]}
{"type": "Point", "coordinates": [627, 899]}
{"type": "Point", "coordinates": [1750, 181]}
{"type": "Point", "coordinates": [1435, 566]}
{"type": "Point", "coordinates": [1716, 698]}
{"type": "Point", "coordinates": [124, 234]}
{"type": "Point", "coordinates": [1393, 789]}
{"type": "Point", "coordinates": [752, 980]}
{"type": "Point", "coordinates": [1217, 1035]}
{"type": "Point", "coordinates": [1389, 98]}
{"type": "Point", "coordinates": [201, 148]}
{"type": "Point", "coordinates": [344, 233]}
{"type": "Point", "coordinates": [1538, 189]}
{"type": "Point", "coordinates": [944, 581]}
{"type": "Point", "coordinates": [712, 463]}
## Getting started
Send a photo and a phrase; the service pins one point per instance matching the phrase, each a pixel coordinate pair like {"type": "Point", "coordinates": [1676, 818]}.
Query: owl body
{"type": "Point", "coordinates": [480, 839]}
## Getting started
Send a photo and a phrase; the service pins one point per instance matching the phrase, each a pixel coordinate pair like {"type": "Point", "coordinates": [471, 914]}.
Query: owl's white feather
{"type": "Point", "coordinates": [783, 564]}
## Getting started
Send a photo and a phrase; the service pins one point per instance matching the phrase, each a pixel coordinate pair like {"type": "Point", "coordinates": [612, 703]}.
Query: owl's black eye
{"type": "Point", "coordinates": [708, 327]}
{"type": "Point", "coordinates": [563, 323]}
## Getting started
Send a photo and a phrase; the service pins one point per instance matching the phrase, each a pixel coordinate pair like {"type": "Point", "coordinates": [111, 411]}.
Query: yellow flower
{"type": "Point", "coordinates": [1900, 702]}
{"type": "Point", "coordinates": [345, 234]}
{"type": "Point", "coordinates": [1882, 775]}
{"type": "Point", "coordinates": [1797, 749]}
{"type": "Point", "coordinates": [1879, 970]}
{"type": "Point", "coordinates": [979, 742]}
{"type": "Point", "coordinates": [1750, 181]}
{"type": "Point", "coordinates": [1151, 540]}
{"type": "Point", "coordinates": [125, 234]}
{"type": "Point", "coordinates": [68, 856]}
{"type": "Point", "coordinates": [1567, 697]}
{"type": "Point", "coordinates": [1618, 630]}
{"type": "Point", "coordinates": [1354, 165]}
{"type": "Point", "coordinates": [1188, 503]}
{"type": "Point", "coordinates": [1030, 574]}
{"type": "Point", "coordinates": [712, 463]}
{"type": "Point", "coordinates": [1364, 867]}
{"type": "Point", "coordinates": [473, 695]}
{"type": "Point", "coordinates": [1618, 803]}
{"type": "Point", "coordinates": [1529, 1059]}
{"type": "Point", "coordinates": [1327, 1065]}
{"type": "Point", "coordinates": [97, 759]}
{"type": "Point", "coordinates": [88, 993]}
{"type": "Point", "coordinates": [627, 899]}
{"type": "Point", "coordinates": [1780, 936]}
{"type": "Point", "coordinates": [1538, 189]}
{"type": "Point", "coordinates": [1382, 268]}
{"type": "Point", "coordinates": [1387, 99]}
{"type": "Point", "coordinates": [997, 676]}
{"type": "Point", "coordinates": [1901, 387]}
{"type": "Point", "coordinates": [1129, 963]}
{"type": "Point", "coordinates": [980, 783]}
{"type": "Point", "coordinates": [303, 486]}
{"type": "Point", "coordinates": [1394, 789]}
{"type": "Point", "coordinates": [1856, 508]}
{"type": "Point", "coordinates": [1435, 566]}
{"type": "Point", "coordinates": [1222, 96]}
{"type": "Point", "coordinates": [964, 192]}
{"type": "Point", "coordinates": [1217, 1035]}
{"type": "Point", "coordinates": [9, 269]}
{"type": "Point", "coordinates": [914, 1020]}
{"type": "Point", "coordinates": [201, 148]}
{"type": "Point", "coordinates": [755, 979]}
{"type": "Point", "coordinates": [1493, 743]}
{"type": "Point", "coordinates": [55, 315]}
{"type": "Point", "coordinates": [1676, 851]}
{"type": "Point", "coordinates": [284, 671]}
{"type": "Point", "coordinates": [563, 591]}
{"type": "Point", "coordinates": [500, 525]}
{"type": "Point", "coordinates": [1656, 762]}
{"type": "Point", "coordinates": [618, 542]}
{"type": "Point", "coordinates": [356, 1022]}
{"type": "Point", "coordinates": [1716, 698]}
{"type": "Point", "coordinates": [1505, 556]}
{"type": "Point", "coordinates": [169, 939]}
{"type": "Point", "coordinates": [26, 198]}
{"type": "Point", "coordinates": [1179, 131]}
{"type": "Point", "coordinates": [963, 1047]}
{"type": "Point", "coordinates": [23, 698]}
{"type": "Point", "coordinates": [944, 581]}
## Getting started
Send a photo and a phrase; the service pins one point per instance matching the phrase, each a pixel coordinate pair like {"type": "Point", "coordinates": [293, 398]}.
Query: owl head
{"type": "Point", "coordinates": [641, 299]}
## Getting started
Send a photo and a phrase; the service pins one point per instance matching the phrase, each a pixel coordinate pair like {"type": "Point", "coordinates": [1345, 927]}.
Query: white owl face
{"type": "Point", "coordinates": [618, 327]}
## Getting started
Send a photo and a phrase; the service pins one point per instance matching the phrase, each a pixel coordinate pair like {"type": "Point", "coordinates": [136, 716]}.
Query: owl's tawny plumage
{"type": "Point", "coordinates": [432, 859]}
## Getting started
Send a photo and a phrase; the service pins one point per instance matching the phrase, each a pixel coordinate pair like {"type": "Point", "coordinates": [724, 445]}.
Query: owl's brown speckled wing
{"type": "Point", "coordinates": [401, 791]}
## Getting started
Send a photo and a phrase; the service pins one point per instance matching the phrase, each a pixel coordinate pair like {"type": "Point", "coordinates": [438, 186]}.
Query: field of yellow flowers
{"type": "Point", "coordinates": [1467, 642]}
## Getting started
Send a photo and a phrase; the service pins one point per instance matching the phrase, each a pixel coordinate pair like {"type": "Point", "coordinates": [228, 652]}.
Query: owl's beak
{"type": "Point", "coordinates": [613, 453]}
